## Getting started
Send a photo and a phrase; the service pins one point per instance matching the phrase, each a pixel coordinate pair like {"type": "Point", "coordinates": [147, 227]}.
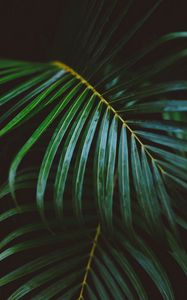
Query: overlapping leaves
{"type": "Point", "coordinates": [67, 255]}
{"type": "Point", "coordinates": [86, 126]}
{"type": "Point", "coordinates": [113, 131]}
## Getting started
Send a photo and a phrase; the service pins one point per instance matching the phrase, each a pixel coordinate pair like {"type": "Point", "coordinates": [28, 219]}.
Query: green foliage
{"type": "Point", "coordinates": [110, 142]}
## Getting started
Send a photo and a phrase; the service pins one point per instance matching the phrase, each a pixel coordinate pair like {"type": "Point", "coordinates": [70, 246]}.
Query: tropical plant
{"type": "Point", "coordinates": [96, 168]}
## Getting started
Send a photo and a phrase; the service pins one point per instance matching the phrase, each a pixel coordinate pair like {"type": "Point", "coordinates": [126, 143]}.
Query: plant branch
{"type": "Point", "coordinates": [88, 266]}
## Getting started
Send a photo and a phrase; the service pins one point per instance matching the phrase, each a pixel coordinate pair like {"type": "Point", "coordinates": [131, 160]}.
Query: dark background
{"type": "Point", "coordinates": [36, 30]}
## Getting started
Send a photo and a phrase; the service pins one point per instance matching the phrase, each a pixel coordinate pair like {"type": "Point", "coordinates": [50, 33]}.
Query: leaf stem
{"type": "Point", "coordinates": [88, 266]}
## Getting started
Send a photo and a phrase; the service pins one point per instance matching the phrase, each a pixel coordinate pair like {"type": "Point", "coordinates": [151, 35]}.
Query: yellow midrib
{"type": "Point", "coordinates": [89, 86]}
{"type": "Point", "coordinates": [88, 266]}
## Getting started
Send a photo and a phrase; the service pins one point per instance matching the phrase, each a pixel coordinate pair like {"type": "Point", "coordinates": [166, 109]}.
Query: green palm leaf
{"type": "Point", "coordinates": [101, 267]}
{"type": "Point", "coordinates": [100, 146]}
{"type": "Point", "coordinates": [83, 104]}
{"type": "Point", "coordinates": [97, 266]}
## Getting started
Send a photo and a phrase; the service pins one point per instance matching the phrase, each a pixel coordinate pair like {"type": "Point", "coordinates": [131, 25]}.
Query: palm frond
{"type": "Point", "coordinates": [89, 268]}
{"type": "Point", "coordinates": [80, 109]}
{"type": "Point", "coordinates": [100, 145]}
